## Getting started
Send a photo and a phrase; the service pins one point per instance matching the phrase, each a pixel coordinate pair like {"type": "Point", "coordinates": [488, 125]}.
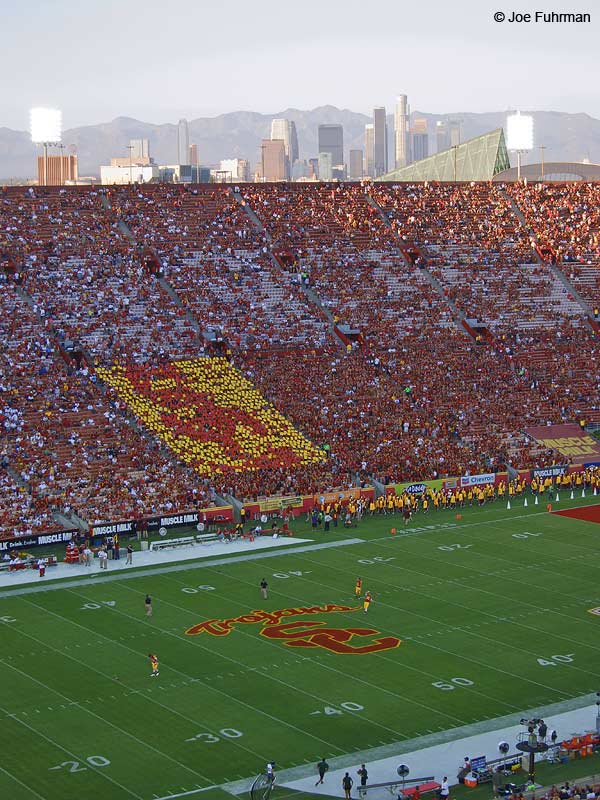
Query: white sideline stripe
{"type": "Point", "coordinates": [143, 573]}
{"type": "Point", "coordinates": [185, 794]}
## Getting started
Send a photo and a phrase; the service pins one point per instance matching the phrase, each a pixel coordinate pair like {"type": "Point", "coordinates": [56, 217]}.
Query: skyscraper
{"type": "Point", "coordinates": [183, 142]}
{"type": "Point", "coordinates": [369, 150]}
{"type": "Point", "coordinates": [419, 139]}
{"type": "Point", "coordinates": [325, 167]}
{"type": "Point", "coordinates": [331, 140]}
{"type": "Point", "coordinates": [454, 126]}
{"type": "Point", "coordinates": [380, 143]}
{"type": "Point", "coordinates": [274, 162]}
{"type": "Point", "coordinates": [285, 131]}
{"type": "Point", "coordinates": [194, 155]}
{"type": "Point", "coordinates": [294, 153]}
{"type": "Point", "coordinates": [140, 148]}
{"type": "Point", "coordinates": [356, 164]}
{"type": "Point", "coordinates": [401, 117]}
{"type": "Point", "coordinates": [442, 137]}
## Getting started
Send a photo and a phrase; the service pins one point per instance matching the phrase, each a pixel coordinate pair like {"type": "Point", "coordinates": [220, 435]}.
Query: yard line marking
{"type": "Point", "coordinates": [185, 794]}
{"type": "Point", "coordinates": [185, 675]}
{"type": "Point", "coordinates": [190, 565]}
{"type": "Point", "coordinates": [93, 713]}
{"type": "Point", "coordinates": [18, 780]}
{"type": "Point", "coordinates": [64, 749]}
{"type": "Point", "coordinates": [315, 661]}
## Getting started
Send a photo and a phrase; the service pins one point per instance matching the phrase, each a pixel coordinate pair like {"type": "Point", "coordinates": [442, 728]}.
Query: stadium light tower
{"type": "Point", "coordinates": [519, 136]}
{"type": "Point", "coordinates": [45, 126]}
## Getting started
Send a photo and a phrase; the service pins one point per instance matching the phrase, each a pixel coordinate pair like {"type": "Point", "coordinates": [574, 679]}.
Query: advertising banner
{"type": "Point", "coordinates": [549, 472]}
{"type": "Point", "coordinates": [23, 542]}
{"type": "Point", "coordinates": [478, 480]}
{"type": "Point", "coordinates": [569, 440]}
{"type": "Point", "coordinates": [418, 487]}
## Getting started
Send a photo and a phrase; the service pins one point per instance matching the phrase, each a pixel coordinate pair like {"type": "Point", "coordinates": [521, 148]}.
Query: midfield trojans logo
{"type": "Point", "coordinates": [302, 634]}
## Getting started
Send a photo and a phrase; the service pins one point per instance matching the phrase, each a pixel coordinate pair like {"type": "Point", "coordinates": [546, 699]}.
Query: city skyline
{"type": "Point", "coordinates": [462, 59]}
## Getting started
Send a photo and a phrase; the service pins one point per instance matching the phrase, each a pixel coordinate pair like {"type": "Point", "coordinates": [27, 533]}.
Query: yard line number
{"type": "Point", "coordinates": [554, 661]}
{"type": "Point", "coordinates": [448, 686]}
{"type": "Point", "coordinates": [448, 548]}
{"type": "Point", "coordinates": [375, 560]}
{"type": "Point", "coordinates": [210, 738]}
{"type": "Point", "coordinates": [195, 590]}
{"type": "Point", "coordinates": [330, 710]}
{"type": "Point", "coordinates": [103, 603]}
{"type": "Point", "coordinates": [525, 535]}
{"type": "Point", "coordinates": [293, 572]}
{"type": "Point", "coordinates": [77, 766]}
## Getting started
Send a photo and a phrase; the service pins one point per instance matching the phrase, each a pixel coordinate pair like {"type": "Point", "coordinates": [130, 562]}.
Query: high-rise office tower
{"type": "Point", "coordinates": [325, 167]}
{"type": "Point", "coordinates": [331, 140]}
{"type": "Point", "coordinates": [183, 142]}
{"type": "Point", "coordinates": [442, 137]}
{"type": "Point", "coordinates": [294, 153]}
{"type": "Point", "coordinates": [369, 150]}
{"type": "Point", "coordinates": [380, 142]}
{"type": "Point", "coordinates": [454, 126]}
{"type": "Point", "coordinates": [419, 139]}
{"type": "Point", "coordinates": [356, 164]}
{"type": "Point", "coordinates": [194, 155]}
{"type": "Point", "coordinates": [274, 162]}
{"type": "Point", "coordinates": [282, 130]}
{"type": "Point", "coordinates": [401, 117]}
{"type": "Point", "coordinates": [140, 149]}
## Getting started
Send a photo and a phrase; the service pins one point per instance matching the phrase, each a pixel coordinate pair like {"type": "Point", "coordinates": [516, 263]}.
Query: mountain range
{"type": "Point", "coordinates": [566, 137]}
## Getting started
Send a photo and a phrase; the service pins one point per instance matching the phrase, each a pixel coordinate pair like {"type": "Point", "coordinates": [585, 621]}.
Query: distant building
{"type": "Point", "coordinates": [419, 139]}
{"type": "Point", "coordinates": [355, 163]}
{"type": "Point", "coordinates": [183, 173]}
{"type": "Point", "coordinates": [273, 160]}
{"type": "Point", "coordinates": [325, 167]}
{"type": "Point", "coordinates": [133, 173]}
{"type": "Point", "coordinates": [193, 160]}
{"type": "Point", "coordinates": [401, 118]}
{"type": "Point", "coordinates": [183, 142]}
{"type": "Point", "coordinates": [380, 142]}
{"type": "Point", "coordinates": [331, 140]}
{"type": "Point", "coordinates": [57, 170]}
{"type": "Point", "coordinates": [300, 170]}
{"type": "Point", "coordinates": [369, 150]}
{"type": "Point", "coordinates": [442, 136]}
{"type": "Point", "coordinates": [238, 169]}
{"type": "Point", "coordinates": [419, 146]}
{"type": "Point", "coordinates": [140, 149]}
{"type": "Point", "coordinates": [313, 168]}
{"type": "Point", "coordinates": [454, 131]}
{"type": "Point", "coordinates": [284, 130]}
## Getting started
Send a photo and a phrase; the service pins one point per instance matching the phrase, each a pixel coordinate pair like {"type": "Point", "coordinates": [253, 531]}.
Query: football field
{"type": "Point", "coordinates": [471, 619]}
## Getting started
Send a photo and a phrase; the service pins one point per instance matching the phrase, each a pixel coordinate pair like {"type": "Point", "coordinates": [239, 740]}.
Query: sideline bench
{"type": "Point", "coordinates": [395, 787]}
{"type": "Point", "coordinates": [166, 543]}
{"type": "Point", "coordinates": [49, 561]}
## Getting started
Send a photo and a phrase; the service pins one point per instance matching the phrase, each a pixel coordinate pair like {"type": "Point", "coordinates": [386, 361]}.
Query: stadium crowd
{"type": "Point", "coordinates": [409, 395]}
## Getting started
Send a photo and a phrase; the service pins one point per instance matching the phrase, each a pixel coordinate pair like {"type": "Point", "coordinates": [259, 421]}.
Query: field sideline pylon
{"type": "Point", "coordinates": [572, 495]}
{"type": "Point", "coordinates": [536, 501]}
{"type": "Point", "coordinates": [525, 504]}
{"type": "Point", "coordinates": [508, 505]}
{"type": "Point", "coordinates": [557, 498]}
{"type": "Point", "coordinates": [583, 492]}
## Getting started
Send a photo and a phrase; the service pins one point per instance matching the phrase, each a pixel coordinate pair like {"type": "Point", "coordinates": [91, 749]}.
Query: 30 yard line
{"type": "Point", "coordinates": [184, 674]}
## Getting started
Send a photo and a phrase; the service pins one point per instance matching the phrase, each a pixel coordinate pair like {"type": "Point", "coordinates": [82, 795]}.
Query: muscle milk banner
{"type": "Point", "coordinates": [569, 440]}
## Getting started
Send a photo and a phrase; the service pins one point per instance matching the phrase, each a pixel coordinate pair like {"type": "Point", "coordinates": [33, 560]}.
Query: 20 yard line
{"type": "Point", "coordinates": [61, 747]}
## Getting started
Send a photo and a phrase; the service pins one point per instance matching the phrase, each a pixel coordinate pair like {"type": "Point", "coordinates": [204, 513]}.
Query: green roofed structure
{"type": "Point", "coordinates": [478, 159]}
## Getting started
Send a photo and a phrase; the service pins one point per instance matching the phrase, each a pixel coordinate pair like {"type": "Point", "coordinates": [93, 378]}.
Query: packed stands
{"type": "Point", "coordinates": [412, 397]}
{"type": "Point", "coordinates": [219, 266]}
{"type": "Point", "coordinates": [565, 218]}
{"type": "Point", "coordinates": [477, 248]}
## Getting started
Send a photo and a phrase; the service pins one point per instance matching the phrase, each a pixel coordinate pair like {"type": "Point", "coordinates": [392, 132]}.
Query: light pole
{"type": "Point", "coordinates": [455, 148]}
{"type": "Point", "coordinates": [542, 148]}
{"type": "Point", "coordinates": [130, 148]}
{"type": "Point", "coordinates": [61, 147]}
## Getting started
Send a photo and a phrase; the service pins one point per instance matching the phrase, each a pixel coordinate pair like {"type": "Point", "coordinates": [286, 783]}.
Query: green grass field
{"type": "Point", "coordinates": [491, 611]}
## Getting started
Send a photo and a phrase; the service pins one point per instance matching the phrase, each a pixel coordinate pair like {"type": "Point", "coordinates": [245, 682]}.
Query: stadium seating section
{"type": "Point", "coordinates": [163, 345]}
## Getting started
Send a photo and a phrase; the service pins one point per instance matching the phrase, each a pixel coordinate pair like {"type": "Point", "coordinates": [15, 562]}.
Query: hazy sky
{"type": "Point", "coordinates": [159, 61]}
